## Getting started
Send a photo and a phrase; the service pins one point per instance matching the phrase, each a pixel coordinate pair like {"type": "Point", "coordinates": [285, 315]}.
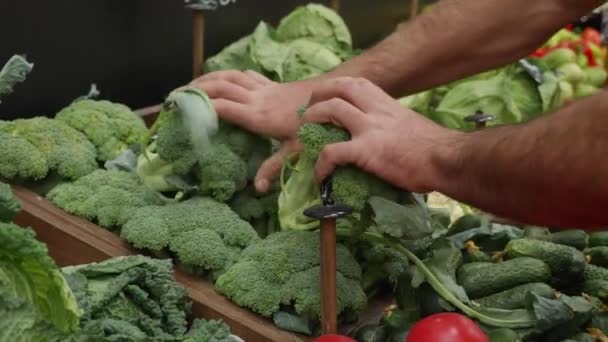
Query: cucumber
{"type": "Point", "coordinates": [595, 76]}
{"type": "Point", "coordinates": [571, 72]}
{"type": "Point", "coordinates": [537, 233]}
{"type": "Point", "coordinates": [598, 239]}
{"type": "Point", "coordinates": [504, 335]}
{"type": "Point", "coordinates": [480, 279]}
{"type": "Point", "coordinates": [464, 223]}
{"type": "Point", "coordinates": [593, 272]}
{"type": "Point", "coordinates": [576, 238]}
{"type": "Point", "coordinates": [597, 255]}
{"type": "Point", "coordinates": [583, 90]}
{"type": "Point", "coordinates": [597, 288]}
{"type": "Point", "coordinates": [516, 297]}
{"type": "Point", "coordinates": [567, 263]}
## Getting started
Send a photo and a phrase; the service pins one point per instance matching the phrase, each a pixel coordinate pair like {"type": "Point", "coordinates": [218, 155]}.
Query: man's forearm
{"type": "Point", "coordinates": [459, 38]}
{"type": "Point", "coordinates": [550, 171]}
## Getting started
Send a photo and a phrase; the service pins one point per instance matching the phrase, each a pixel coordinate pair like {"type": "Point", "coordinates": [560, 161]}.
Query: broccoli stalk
{"type": "Point", "coordinates": [351, 186]}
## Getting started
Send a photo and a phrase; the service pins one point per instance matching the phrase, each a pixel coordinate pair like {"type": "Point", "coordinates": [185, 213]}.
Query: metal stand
{"type": "Point", "coordinates": [328, 213]}
{"type": "Point", "coordinates": [198, 43]}
{"type": "Point", "coordinates": [480, 119]}
{"type": "Point", "coordinates": [335, 4]}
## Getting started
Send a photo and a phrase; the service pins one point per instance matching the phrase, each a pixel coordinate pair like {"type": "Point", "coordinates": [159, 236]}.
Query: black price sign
{"type": "Point", "coordinates": [207, 5]}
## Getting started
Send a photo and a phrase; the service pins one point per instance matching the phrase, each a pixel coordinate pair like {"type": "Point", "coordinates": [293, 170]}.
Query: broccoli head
{"type": "Point", "coordinates": [106, 197]}
{"type": "Point", "coordinates": [33, 148]}
{"type": "Point", "coordinates": [205, 235]}
{"type": "Point", "coordinates": [284, 270]}
{"type": "Point", "coordinates": [193, 150]}
{"type": "Point", "coordinates": [111, 127]}
{"type": "Point", "coordinates": [14, 71]}
{"type": "Point", "coordinates": [9, 205]}
{"type": "Point", "coordinates": [183, 129]}
{"type": "Point", "coordinates": [261, 210]}
{"type": "Point", "coordinates": [351, 185]}
{"type": "Point", "coordinates": [231, 161]}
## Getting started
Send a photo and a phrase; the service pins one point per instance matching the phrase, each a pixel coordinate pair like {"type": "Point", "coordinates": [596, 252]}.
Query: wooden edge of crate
{"type": "Point", "coordinates": [72, 240]}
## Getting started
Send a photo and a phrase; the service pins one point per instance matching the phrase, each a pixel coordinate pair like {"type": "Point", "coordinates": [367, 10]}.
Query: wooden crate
{"type": "Point", "coordinates": [72, 240]}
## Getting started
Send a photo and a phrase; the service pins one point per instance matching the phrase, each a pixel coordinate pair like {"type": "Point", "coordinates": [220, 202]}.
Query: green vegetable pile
{"type": "Point", "coordinates": [565, 69]}
{"type": "Point", "coordinates": [308, 42]}
{"type": "Point", "coordinates": [509, 94]}
{"type": "Point", "coordinates": [42, 152]}
{"type": "Point", "coordinates": [131, 298]}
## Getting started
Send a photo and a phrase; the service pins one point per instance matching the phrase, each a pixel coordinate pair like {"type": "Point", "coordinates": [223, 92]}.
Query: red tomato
{"type": "Point", "coordinates": [592, 36]}
{"type": "Point", "coordinates": [446, 327]}
{"type": "Point", "coordinates": [333, 338]}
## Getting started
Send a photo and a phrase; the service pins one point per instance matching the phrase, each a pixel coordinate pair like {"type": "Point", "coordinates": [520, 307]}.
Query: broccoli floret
{"type": "Point", "coordinates": [283, 269]}
{"type": "Point", "coordinates": [106, 197]}
{"type": "Point", "coordinates": [221, 172]}
{"type": "Point", "coordinates": [259, 210]}
{"type": "Point", "coordinates": [33, 148]}
{"type": "Point", "coordinates": [192, 149]}
{"type": "Point", "coordinates": [351, 185]}
{"type": "Point", "coordinates": [111, 127]}
{"type": "Point", "coordinates": [181, 133]}
{"type": "Point", "coordinates": [9, 205]}
{"type": "Point", "coordinates": [380, 264]}
{"type": "Point", "coordinates": [203, 233]}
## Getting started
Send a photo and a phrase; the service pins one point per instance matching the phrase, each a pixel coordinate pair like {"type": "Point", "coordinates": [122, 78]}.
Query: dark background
{"type": "Point", "coordinates": [138, 50]}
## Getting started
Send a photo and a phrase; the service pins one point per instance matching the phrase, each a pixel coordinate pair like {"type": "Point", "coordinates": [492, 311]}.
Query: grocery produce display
{"type": "Point", "coordinates": [133, 298]}
{"type": "Point", "coordinates": [181, 193]}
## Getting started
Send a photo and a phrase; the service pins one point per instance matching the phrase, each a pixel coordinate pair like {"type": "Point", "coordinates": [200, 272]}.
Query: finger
{"type": "Point", "coordinates": [235, 113]}
{"type": "Point", "coordinates": [221, 89]}
{"type": "Point", "coordinates": [233, 76]}
{"type": "Point", "coordinates": [334, 155]}
{"type": "Point", "coordinates": [271, 168]}
{"type": "Point", "coordinates": [261, 79]}
{"type": "Point", "coordinates": [338, 112]}
{"type": "Point", "coordinates": [360, 92]}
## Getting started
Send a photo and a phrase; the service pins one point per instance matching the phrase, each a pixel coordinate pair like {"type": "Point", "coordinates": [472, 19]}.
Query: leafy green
{"type": "Point", "coordinates": [137, 291]}
{"type": "Point", "coordinates": [487, 231]}
{"type": "Point", "coordinates": [9, 206]}
{"type": "Point", "coordinates": [308, 42]}
{"type": "Point", "coordinates": [31, 282]}
{"type": "Point", "coordinates": [510, 95]}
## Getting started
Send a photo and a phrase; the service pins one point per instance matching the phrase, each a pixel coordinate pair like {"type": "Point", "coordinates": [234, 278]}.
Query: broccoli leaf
{"type": "Point", "coordinates": [409, 222]}
{"type": "Point", "coordinates": [290, 322]}
{"type": "Point", "coordinates": [198, 117]}
{"type": "Point", "coordinates": [492, 231]}
{"type": "Point", "coordinates": [14, 71]}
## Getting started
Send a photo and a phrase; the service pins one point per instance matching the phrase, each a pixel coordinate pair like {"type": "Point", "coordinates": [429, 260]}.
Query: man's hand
{"type": "Point", "coordinates": [394, 143]}
{"type": "Point", "coordinates": [261, 106]}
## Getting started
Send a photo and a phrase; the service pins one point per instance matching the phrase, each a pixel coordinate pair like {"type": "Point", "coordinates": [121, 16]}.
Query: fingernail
{"type": "Point", "coordinates": [261, 185]}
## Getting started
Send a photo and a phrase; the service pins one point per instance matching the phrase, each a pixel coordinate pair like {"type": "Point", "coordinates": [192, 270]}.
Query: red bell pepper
{"type": "Point", "coordinates": [591, 35]}
{"type": "Point", "coordinates": [589, 54]}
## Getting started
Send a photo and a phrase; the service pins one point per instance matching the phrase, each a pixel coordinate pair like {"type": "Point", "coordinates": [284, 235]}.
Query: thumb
{"type": "Point", "coordinates": [271, 168]}
{"type": "Point", "coordinates": [334, 155]}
